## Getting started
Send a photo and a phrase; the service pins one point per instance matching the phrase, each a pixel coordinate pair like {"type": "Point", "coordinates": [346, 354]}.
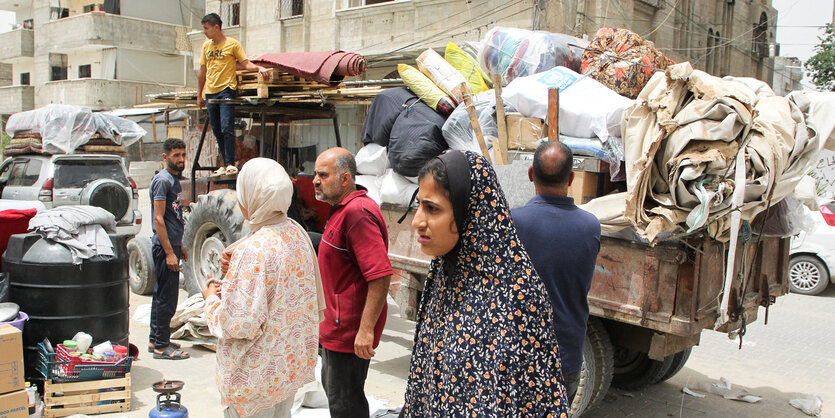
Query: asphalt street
{"type": "Point", "coordinates": [789, 358]}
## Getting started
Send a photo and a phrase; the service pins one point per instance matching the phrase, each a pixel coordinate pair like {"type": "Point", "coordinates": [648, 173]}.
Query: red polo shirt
{"type": "Point", "coordinates": [353, 252]}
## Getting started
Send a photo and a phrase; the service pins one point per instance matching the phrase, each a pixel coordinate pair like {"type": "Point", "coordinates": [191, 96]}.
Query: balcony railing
{"type": "Point", "coordinates": [15, 99]}
{"type": "Point", "coordinates": [16, 44]}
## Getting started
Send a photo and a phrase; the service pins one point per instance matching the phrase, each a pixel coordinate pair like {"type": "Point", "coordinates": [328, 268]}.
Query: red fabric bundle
{"type": "Point", "coordinates": [326, 67]}
{"type": "Point", "coordinates": [13, 221]}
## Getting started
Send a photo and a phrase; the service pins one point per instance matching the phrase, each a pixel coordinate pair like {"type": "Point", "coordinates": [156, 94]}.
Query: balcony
{"type": "Point", "coordinates": [98, 30]}
{"type": "Point", "coordinates": [18, 43]}
{"type": "Point", "coordinates": [97, 94]}
{"type": "Point", "coordinates": [15, 99]}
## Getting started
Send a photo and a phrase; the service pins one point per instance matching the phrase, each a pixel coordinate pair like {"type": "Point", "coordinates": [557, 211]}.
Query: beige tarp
{"type": "Point", "coordinates": [682, 138]}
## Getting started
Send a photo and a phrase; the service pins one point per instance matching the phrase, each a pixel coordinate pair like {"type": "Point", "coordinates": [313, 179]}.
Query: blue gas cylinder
{"type": "Point", "coordinates": [169, 406]}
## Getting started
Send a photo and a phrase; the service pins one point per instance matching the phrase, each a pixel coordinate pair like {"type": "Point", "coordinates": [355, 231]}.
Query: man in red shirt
{"type": "Point", "coordinates": [356, 272]}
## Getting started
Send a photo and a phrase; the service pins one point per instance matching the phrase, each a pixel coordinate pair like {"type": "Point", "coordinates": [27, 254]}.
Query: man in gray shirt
{"type": "Point", "coordinates": [168, 225]}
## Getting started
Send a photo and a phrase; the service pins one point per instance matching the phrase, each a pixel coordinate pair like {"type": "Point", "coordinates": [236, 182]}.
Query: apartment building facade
{"type": "Point", "coordinates": [100, 55]}
{"type": "Point", "coordinates": [724, 37]}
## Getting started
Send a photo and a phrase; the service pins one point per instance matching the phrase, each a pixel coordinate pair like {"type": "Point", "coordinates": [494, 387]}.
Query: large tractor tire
{"type": "Point", "coordinates": [215, 222]}
{"type": "Point", "coordinates": [634, 370]}
{"type": "Point", "coordinates": [596, 374]}
{"type": "Point", "coordinates": [141, 266]}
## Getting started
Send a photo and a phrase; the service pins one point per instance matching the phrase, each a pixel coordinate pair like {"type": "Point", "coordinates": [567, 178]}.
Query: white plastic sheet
{"type": "Point", "coordinates": [458, 131]}
{"type": "Point", "coordinates": [396, 189]}
{"type": "Point", "coordinates": [64, 128]}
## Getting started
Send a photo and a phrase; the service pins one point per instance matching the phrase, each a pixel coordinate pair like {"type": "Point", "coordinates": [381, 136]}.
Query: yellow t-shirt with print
{"type": "Point", "coordinates": [220, 60]}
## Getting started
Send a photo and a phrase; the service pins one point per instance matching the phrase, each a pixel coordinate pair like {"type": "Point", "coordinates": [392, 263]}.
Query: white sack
{"type": "Point", "coordinates": [396, 189]}
{"type": "Point", "coordinates": [372, 183]}
{"type": "Point", "coordinates": [587, 108]}
{"type": "Point", "coordinates": [372, 159]}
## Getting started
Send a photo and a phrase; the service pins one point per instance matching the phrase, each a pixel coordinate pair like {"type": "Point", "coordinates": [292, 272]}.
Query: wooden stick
{"type": "Point", "coordinates": [500, 147]}
{"type": "Point", "coordinates": [468, 102]}
{"type": "Point", "coordinates": [553, 114]}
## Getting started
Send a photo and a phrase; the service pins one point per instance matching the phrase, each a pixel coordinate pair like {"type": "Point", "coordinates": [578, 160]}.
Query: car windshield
{"type": "Point", "coordinates": [77, 173]}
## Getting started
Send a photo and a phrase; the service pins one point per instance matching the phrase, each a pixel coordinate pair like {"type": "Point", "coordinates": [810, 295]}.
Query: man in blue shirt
{"type": "Point", "coordinates": [562, 241]}
{"type": "Point", "coordinates": [167, 249]}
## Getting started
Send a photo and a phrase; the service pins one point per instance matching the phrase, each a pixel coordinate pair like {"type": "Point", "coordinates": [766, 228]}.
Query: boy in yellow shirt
{"type": "Point", "coordinates": [217, 79]}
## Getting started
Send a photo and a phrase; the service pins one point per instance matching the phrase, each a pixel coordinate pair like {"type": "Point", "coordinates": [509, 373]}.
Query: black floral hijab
{"type": "Point", "coordinates": [484, 344]}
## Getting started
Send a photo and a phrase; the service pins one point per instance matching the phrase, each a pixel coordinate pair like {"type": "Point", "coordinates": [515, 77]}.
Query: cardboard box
{"type": "Point", "coordinates": [524, 133]}
{"type": "Point", "coordinates": [14, 405]}
{"type": "Point", "coordinates": [11, 359]}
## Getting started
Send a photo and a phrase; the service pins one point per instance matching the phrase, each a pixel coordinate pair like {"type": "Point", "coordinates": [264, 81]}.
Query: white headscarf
{"type": "Point", "coordinates": [265, 191]}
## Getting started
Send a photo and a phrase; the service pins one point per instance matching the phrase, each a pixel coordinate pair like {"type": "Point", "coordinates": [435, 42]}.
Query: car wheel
{"type": "Point", "coordinates": [807, 275]}
{"type": "Point", "coordinates": [141, 266]}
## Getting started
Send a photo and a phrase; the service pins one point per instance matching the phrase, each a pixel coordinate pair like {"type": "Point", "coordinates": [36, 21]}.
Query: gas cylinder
{"type": "Point", "coordinates": [168, 400]}
{"type": "Point", "coordinates": [169, 406]}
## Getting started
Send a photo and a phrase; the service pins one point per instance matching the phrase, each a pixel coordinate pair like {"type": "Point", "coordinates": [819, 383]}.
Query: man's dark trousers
{"type": "Point", "coordinates": [222, 118]}
{"type": "Point", "coordinates": [343, 376]}
{"type": "Point", "coordinates": [164, 302]}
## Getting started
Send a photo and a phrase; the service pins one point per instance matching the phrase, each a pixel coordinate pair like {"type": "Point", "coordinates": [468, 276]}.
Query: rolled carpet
{"type": "Point", "coordinates": [326, 67]}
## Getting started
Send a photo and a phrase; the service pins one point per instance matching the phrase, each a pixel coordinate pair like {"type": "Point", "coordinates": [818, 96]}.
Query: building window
{"type": "Point", "coordinates": [24, 79]}
{"type": "Point", "coordinates": [230, 13]}
{"type": "Point", "coordinates": [760, 38]}
{"type": "Point", "coordinates": [290, 8]}
{"type": "Point", "coordinates": [58, 67]}
{"type": "Point", "coordinates": [360, 3]}
{"type": "Point", "coordinates": [84, 71]}
{"type": "Point", "coordinates": [28, 24]}
{"type": "Point", "coordinates": [56, 13]}
{"type": "Point", "coordinates": [89, 8]}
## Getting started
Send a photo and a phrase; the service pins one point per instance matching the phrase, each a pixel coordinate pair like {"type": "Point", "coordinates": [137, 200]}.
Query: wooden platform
{"type": "Point", "coordinates": [65, 399]}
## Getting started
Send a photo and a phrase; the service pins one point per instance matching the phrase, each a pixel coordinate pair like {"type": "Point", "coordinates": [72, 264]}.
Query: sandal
{"type": "Point", "coordinates": [171, 353]}
{"type": "Point", "coordinates": [231, 170]}
{"type": "Point", "coordinates": [151, 346]}
{"type": "Point", "coordinates": [219, 172]}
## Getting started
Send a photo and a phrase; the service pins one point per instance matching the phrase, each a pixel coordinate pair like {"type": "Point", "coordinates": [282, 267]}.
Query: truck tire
{"type": "Point", "coordinates": [596, 375]}
{"type": "Point", "coordinates": [677, 364]}
{"type": "Point", "coordinates": [634, 370]}
{"type": "Point", "coordinates": [141, 266]}
{"type": "Point", "coordinates": [215, 222]}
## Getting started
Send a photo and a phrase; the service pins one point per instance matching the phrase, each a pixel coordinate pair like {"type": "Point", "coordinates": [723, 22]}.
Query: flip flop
{"type": "Point", "coordinates": [171, 344]}
{"type": "Point", "coordinates": [171, 353]}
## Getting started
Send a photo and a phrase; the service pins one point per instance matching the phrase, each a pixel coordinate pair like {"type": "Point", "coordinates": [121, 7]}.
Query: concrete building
{"type": "Point", "coordinates": [100, 55]}
{"type": "Point", "coordinates": [788, 72]}
{"type": "Point", "coordinates": [724, 37]}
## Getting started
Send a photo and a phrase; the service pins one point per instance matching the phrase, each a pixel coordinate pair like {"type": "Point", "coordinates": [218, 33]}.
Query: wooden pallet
{"type": "Point", "coordinates": [65, 399]}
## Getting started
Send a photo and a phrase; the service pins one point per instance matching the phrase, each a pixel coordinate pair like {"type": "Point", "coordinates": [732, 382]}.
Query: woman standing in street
{"type": "Point", "coordinates": [267, 310]}
{"type": "Point", "coordinates": [484, 344]}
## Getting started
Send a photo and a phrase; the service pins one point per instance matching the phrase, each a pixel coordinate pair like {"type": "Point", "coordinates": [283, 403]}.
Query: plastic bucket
{"type": "Point", "coordinates": [18, 323]}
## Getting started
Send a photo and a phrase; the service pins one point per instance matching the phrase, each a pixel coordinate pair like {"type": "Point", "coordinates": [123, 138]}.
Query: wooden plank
{"type": "Point", "coordinates": [86, 410]}
{"type": "Point", "coordinates": [468, 101]}
{"type": "Point", "coordinates": [88, 385]}
{"type": "Point", "coordinates": [553, 114]}
{"type": "Point", "coordinates": [500, 146]}
{"type": "Point", "coordinates": [87, 398]}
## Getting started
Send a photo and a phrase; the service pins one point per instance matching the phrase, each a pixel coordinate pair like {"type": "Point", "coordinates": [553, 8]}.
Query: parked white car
{"type": "Point", "coordinates": [813, 254]}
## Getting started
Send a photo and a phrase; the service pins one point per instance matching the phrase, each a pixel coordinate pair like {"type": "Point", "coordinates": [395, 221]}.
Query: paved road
{"type": "Point", "coordinates": [790, 357]}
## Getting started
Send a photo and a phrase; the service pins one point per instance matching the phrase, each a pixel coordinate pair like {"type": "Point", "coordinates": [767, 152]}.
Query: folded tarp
{"type": "Point", "coordinates": [686, 133]}
{"type": "Point", "coordinates": [326, 67]}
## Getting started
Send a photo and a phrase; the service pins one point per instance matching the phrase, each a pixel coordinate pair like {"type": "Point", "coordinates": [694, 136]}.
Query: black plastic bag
{"type": "Point", "coordinates": [416, 138]}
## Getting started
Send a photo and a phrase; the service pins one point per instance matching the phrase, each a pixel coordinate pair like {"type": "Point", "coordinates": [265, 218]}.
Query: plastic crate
{"type": "Point", "coordinates": [55, 367]}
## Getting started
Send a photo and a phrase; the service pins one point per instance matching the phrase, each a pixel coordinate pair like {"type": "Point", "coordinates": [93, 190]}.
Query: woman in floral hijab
{"type": "Point", "coordinates": [484, 344]}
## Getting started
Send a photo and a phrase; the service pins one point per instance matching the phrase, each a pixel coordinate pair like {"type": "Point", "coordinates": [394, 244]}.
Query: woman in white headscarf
{"type": "Point", "coordinates": [267, 309]}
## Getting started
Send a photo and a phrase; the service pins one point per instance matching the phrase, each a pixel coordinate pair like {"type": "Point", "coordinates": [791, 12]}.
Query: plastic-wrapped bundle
{"type": "Point", "coordinates": [458, 131]}
{"type": "Point", "coordinates": [471, 49]}
{"type": "Point", "coordinates": [396, 189]}
{"type": "Point", "coordinates": [587, 108]}
{"type": "Point", "coordinates": [442, 73]}
{"type": "Point", "coordinates": [465, 65]}
{"type": "Point", "coordinates": [513, 52]}
{"type": "Point", "coordinates": [426, 89]}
